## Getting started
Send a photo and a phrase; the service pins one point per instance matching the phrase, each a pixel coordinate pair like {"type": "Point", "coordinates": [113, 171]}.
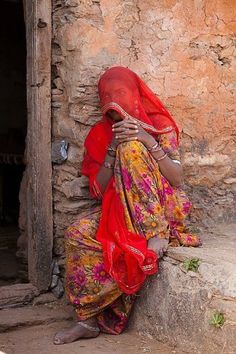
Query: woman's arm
{"type": "Point", "coordinates": [171, 170]}
{"type": "Point", "coordinates": [105, 173]}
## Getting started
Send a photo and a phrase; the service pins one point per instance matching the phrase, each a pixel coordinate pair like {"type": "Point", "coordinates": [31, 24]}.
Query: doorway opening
{"type": "Point", "coordinates": [13, 129]}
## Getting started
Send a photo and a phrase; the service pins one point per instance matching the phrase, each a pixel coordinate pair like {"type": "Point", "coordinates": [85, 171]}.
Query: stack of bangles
{"type": "Point", "coordinates": [155, 148]}
{"type": "Point", "coordinates": [111, 152]}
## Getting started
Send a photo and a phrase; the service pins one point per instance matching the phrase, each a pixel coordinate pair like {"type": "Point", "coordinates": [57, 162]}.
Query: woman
{"type": "Point", "coordinates": [133, 165]}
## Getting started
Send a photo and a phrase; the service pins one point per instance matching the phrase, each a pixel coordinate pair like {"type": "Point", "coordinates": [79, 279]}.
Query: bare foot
{"type": "Point", "coordinates": [158, 245]}
{"type": "Point", "coordinates": [76, 332]}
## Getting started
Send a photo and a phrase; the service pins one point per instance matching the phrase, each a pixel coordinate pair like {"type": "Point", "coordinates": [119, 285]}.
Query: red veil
{"type": "Point", "coordinates": [126, 256]}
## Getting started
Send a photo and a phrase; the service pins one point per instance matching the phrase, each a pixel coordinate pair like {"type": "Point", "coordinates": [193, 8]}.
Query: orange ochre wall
{"type": "Point", "coordinates": [184, 50]}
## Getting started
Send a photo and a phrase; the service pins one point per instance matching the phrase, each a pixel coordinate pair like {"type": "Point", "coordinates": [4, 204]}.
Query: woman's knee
{"type": "Point", "coordinates": [132, 147]}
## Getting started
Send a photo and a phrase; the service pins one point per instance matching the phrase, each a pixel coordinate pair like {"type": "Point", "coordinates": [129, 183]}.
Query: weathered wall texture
{"type": "Point", "coordinates": [184, 51]}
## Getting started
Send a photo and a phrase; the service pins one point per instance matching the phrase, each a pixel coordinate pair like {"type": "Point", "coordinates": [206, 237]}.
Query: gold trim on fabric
{"type": "Point", "coordinates": [133, 286]}
{"type": "Point", "coordinates": [148, 267]}
{"type": "Point", "coordinates": [96, 189]}
{"type": "Point", "coordinates": [135, 250]}
{"type": "Point", "coordinates": [115, 105]}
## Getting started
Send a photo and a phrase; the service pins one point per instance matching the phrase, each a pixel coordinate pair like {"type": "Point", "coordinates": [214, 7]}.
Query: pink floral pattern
{"type": "Point", "coordinates": [152, 208]}
{"type": "Point", "coordinates": [99, 273]}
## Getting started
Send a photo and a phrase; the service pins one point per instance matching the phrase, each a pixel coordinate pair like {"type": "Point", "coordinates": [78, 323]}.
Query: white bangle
{"type": "Point", "coordinates": [177, 161]}
{"type": "Point", "coordinates": [155, 148]}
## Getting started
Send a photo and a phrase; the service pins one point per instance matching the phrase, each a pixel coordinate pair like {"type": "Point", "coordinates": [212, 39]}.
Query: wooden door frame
{"type": "Point", "coordinates": [38, 142]}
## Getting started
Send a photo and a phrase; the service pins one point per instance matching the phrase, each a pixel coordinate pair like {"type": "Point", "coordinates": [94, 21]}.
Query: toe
{"type": "Point", "coordinates": [57, 340]}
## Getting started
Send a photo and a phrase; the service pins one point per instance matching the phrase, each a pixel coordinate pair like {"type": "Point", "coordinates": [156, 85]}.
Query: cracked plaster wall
{"type": "Point", "coordinates": [185, 51]}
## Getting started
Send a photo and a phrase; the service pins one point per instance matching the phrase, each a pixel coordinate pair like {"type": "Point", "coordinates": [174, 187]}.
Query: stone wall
{"type": "Point", "coordinates": [184, 51]}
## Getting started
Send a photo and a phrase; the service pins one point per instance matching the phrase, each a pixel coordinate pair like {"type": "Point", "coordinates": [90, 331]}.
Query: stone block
{"type": "Point", "coordinates": [17, 294]}
{"type": "Point", "coordinates": [59, 151]}
{"type": "Point", "coordinates": [59, 246]}
{"type": "Point", "coordinates": [177, 306]}
{"type": "Point", "coordinates": [33, 316]}
{"type": "Point", "coordinates": [44, 299]}
{"type": "Point", "coordinates": [76, 189]}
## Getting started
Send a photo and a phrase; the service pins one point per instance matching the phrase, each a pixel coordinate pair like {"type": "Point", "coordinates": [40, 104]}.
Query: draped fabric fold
{"type": "Point", "coordinates": [126, 257]}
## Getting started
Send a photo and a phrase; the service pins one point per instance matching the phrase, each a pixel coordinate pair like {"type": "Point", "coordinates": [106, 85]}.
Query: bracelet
{"type": "Point", "coordinates": [108, 165]}
{"type": "Point", "coordinates": [156, 147]}
{"type": "Point", "coordinates": [162, 157]}
{"type": "Point", "coordinates": [153, 147]}
{"type": "Point", "coordinates": [111, 153]}
{"type": "Point", "coordinates": [177, 161]}
{"type": "Point", "coordinates": [111, 148]}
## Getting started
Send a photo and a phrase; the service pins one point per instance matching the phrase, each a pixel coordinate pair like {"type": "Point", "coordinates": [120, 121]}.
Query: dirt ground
{"type": "Point", "coordinates": [38, 340]}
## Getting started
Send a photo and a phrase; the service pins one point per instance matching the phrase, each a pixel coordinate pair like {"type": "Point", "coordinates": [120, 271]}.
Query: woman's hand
{"type": "Point", "coordinates": [128, 130]}
{"type": "Point", "coordinates": [158, 245]}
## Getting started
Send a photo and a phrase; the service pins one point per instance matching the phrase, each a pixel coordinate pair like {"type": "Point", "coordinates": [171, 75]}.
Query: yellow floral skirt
{"type": "Point", "coordinates": [152, 208]}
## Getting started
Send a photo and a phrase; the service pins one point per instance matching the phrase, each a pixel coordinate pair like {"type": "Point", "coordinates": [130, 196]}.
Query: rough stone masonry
{"type": "Point", "coordinates": [184, 51]}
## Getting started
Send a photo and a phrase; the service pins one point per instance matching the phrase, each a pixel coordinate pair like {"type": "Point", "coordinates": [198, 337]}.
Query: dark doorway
{"type": "Point", "coordinates": [13, 129]}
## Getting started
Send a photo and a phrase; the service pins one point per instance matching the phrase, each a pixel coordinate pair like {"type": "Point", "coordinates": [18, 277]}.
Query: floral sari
{"type": "Point", "coordinates": [107, 255]}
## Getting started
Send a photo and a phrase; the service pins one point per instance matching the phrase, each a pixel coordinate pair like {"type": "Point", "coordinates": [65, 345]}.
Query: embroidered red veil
{"type": "Point", "coordinates": [126, 256]}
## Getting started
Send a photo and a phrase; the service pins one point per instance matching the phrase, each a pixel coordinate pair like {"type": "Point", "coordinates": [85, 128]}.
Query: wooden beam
{"type": "Point", "coordinates": [38, 144]}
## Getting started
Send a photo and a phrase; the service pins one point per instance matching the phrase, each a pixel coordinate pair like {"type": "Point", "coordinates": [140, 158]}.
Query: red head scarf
{"type": "Point", "coordinates": [122, 90]}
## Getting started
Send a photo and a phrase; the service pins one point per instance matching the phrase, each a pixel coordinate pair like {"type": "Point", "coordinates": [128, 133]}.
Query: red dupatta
{"type": "Point", "coordinates": [126, 256]}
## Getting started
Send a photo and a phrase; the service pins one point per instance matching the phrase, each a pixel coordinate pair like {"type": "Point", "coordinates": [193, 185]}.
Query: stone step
{"type": "Point", "coordinates": [28, 316]}
{"type": "Point", "coordinates": [17, 295]}
{"type": "Point", "coordinates": [176, 306]}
